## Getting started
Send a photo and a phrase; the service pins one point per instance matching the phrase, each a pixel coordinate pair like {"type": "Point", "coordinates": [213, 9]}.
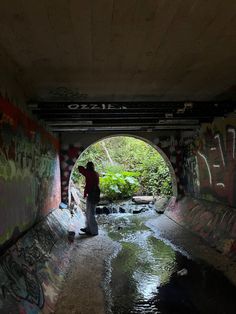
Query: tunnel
{"type": "Point", "coordinates": [76, 72]}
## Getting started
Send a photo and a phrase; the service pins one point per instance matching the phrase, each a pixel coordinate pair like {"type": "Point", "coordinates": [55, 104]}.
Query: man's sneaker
{"type": "Point", "coordinates": [83, 229]}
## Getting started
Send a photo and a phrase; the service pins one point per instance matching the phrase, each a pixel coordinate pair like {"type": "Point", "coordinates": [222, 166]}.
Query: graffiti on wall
{"type": "Point", "coordinates": [216, 223]}
{"type": "Point", "coordinates": [215, 152]}
{"type": "Point", "coordinates": [32, 270]}
{"type": "Point", "coordinates": [171, 146]}
{"type": "Point", "coordinates": [191, 174]}
{"type": "Point", "coordinates": [69, 155]}
{"type": "Point", "coordinates": [29, 171]}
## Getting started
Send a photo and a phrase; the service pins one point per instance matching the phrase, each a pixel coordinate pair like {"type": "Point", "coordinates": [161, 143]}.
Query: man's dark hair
{"type": "Point", "coordinates": [90, 166]}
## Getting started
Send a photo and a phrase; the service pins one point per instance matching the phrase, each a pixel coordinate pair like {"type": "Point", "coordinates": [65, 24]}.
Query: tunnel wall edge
{"type": "Point", "coordinates": [215, 223]}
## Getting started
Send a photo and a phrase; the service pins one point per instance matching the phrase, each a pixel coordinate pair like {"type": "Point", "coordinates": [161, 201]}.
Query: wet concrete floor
{"type": "Point", "coordinates": [132, 267]}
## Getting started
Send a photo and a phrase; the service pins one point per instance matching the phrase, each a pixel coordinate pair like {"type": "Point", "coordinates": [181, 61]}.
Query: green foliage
{"type": "Point", "coordinates": [119, 185]}
{"type": "Point", "coordinates": [128, 155]}
{"type": "Point", "coordinates": [113, 168]}
{"type": "Point", "coordinates": [155, 179]}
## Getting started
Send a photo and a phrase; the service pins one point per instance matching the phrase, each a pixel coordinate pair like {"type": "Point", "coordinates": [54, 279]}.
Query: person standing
{"type": "Point", "coordinates": [92, 195]}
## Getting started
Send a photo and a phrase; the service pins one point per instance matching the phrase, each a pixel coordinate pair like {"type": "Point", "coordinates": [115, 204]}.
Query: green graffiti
{"type": "Point", "coordinates": [46, 167]}
{"type": "Point", "coordinates": [9, 232]}
{"type": "Point", "coordinates": [9, 169]}
{"type": "Point", "coordinates": [24, 166]}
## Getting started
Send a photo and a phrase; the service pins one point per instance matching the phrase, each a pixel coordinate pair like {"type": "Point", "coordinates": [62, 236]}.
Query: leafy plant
{"type": "Point", "coordinates": [119, 185]}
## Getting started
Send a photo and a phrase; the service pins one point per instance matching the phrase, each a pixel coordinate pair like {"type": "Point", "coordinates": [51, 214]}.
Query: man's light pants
{"type": "Point", "coordinates": [91, 224]}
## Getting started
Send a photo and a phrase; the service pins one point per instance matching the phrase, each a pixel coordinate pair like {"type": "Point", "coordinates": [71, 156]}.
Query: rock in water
{"type": "Point", "coordinates": [143, 199]}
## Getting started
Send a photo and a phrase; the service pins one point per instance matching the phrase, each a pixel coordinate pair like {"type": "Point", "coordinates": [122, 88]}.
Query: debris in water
{"type": "Point", "coordinates": [137, 210]}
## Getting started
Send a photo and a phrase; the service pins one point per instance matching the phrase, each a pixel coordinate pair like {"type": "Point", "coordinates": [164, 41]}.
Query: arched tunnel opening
{"type": "Point", "coordinates": [128, 167]}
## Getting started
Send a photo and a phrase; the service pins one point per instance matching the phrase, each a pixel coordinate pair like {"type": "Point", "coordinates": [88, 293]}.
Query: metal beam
{"type": "Point", "coordinates": [74, 116]}
{"type": "Point", "coordinates": [123, 128]}
{"type": "Point", "coordinates": [78, 122]}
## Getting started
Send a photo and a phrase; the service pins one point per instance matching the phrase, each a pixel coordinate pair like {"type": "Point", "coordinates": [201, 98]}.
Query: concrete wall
{"type": "Point", "coordinates": [33, 269]}
{"type": "Point", "coordinates": [214, 222]}
{"type": "Point", "coordinates": [29, 172]}
{"type": "Point", "coordinates": [167, 143]}
{"type": "Point", "coordinates": [209, 180]}
{"type": "Point", "coordinates": [210, 162]}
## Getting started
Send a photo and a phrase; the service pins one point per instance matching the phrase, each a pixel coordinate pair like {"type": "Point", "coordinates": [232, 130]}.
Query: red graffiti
{"type": "Point", "coordinates": [13, 116]}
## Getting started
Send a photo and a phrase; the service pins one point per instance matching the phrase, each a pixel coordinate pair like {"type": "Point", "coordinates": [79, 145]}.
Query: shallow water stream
{"type": "Point", "coordinates": [144, 276]}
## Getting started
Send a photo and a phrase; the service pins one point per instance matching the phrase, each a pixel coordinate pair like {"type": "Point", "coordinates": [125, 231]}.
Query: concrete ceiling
{"type": "Point", "coordinates": [121, 51]}
{"type": "Point", "coordinates": [111, 50]}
